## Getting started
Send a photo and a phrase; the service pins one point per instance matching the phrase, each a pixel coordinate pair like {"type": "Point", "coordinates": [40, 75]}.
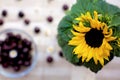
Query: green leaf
{"type": "Point", "coordinates": [116, 31]}
{"type": "Point", "coordinates": [64, 29]}
{"type": "Point", "coordinates": [116, 48]}
{"type": "Point", "coordinates": [67, 50]}
{"type": "Point", "coordinates": [61, 42]}
{"type": "Point", "coordinates": [105, 8]}
{"type": "Point", "coordinates": [114, 44]}
{"type": "Point", "coordinates": [64, 35]}
{"type": "Point", "coordinates": [115, 20]}
{"type": "Point", "coordinates": [80, 7]}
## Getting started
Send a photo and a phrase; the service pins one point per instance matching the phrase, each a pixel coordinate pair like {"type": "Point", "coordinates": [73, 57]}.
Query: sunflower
{"type": "Point", "coordinates": [91, 41]}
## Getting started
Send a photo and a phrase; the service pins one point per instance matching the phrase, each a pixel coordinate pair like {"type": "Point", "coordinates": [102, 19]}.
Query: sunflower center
{"type": "Point", "coordinates": [94, 38]}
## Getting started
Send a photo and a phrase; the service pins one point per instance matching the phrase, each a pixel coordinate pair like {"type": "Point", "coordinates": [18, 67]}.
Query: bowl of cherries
{"type": "Point", "coordinates": [18, 53]}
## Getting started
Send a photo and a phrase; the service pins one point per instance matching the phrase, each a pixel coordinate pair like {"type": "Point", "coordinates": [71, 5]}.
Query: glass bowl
{"type": "Point", "coordinates": [9, 72]}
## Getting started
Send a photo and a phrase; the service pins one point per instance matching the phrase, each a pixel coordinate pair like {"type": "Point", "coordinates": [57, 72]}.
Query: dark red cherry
{"type": "Point", "coordinates": [22, 56]}
{"type": "Point", "coordinates": [36, 30]}
{"type": "Point", "coordinates": [65, 7]}
{"type": "Point", "coordinates": [5, 47]}
{"type": "Point", "coordinates": [5, 65]}
{"type": "Point", "coordinates": [49, 59]}
{"type": "Point", "coordinates": [27, 63]}
{"type": "Point", "coordinates": [27, 21]}
{"type": "Point", "coordinates": [25, 50]}
{"type": "Point", "coordinates": [0, 60]}
{"type": "Point", "coordinates": [20, 46]}
{"type": "Point", "coordinates": [1, 22]}
{"type": "Point", "coordinates": [50, 19]}
{"type": "Point", "coordinates": [5, 54]}
{"type": "Point", "coordinates": [61, 54]}
{"type": "Point", "coordinates": [16, 68]}
{"type": "Point", "coordinates": [21, 14]}
{"type": "Point", "coordinates": [13, 45]}
{"type": "Point", "coordinates": [4, 13]}
{"type": "Point", "coordinates": [20, 62]}
{"type": "Point", "coordinates": [28, 43]}
{"type": "Point", "coordinates": [1, 42]}
{"type": "Point", "coordinates": [18, 37]}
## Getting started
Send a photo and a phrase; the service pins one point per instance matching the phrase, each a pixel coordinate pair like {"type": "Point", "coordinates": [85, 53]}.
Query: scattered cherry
{"type": "Point", "coordinates": [50, 19]}
{"type": "Point", "coordinates": [65, 7]}
{"type": "Point", "coordinates": [36, 30]}
{"type": "Point", "coordinates": [49, 59]}
{"type": "Point", "coordinates": [61, 54]}
{"type": "Point", "coordinates": [4, 13]}
{"type": "Point", "coordinates": [1, 22]}
{"type": "Point", "coordinates": [21, 14]}
{"type": "Point", "coordinates": [27, 21]}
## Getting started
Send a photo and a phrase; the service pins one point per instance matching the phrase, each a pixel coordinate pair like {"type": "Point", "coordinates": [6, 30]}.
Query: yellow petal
{"type": "Point", "coordinates": [76, 41]}
{"type": "Point", "coordinates": [110, 39]}
{"type": "Point", "coordinates": [92, 23]}
{"type": "Point", "coordinates": [83, 59]}
{"type": "Point", "coordinates": [79, 55]}
{"type": "Point", "coordinates": [90, 54]}
{"type": "Point", "coordinates": [81, 18]}
{"type": "Point", "coordinates": [102, 26]}
{"type": "Point", "coordinates": [88, 16]}
{"type": "Point", "coordinates": [107, 45]}
{"type": "Point", "coordinates": [109, 33]}
{"type": "Point", "coordinates": [100, 51]}
{"type": "Point", "coordinates": [77, 34]}
{"type": "Point", "coordinates": [105, 30]}
{"type": "Point", "coordinates": [101, 60]}
{"type": "Point", "coordinates": [77, 28]}
{"type": "Point", "coordinates": [78, 18]}
{"type": "Point", "coordinates": [94, 57]}
{"type": "Point", "coordinates": [79, 48]}
{"type": "Point", "coordinates": [81, 28]}
{"type": "Point", "coordinates": [106, 58]}
{"type": "Point", "coordinates": [74, 33]}
{"type": "Point", "coordinates": [95, 15]}
{"type": "Point", "coordinates": [95, 60]}
{"type": "Point", "coordinates": [95, 24]}
{"type": "Point", "coordinates": [85, 51]}
{"type": "Point", "coordinates": [106, 52]}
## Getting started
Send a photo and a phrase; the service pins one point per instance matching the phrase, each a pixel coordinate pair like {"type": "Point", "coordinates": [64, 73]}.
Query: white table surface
{"type": "Point", "coordinates": [37, 11]}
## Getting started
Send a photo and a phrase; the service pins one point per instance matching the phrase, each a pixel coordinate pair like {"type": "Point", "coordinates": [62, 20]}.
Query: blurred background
{"type": "Point", "coordinates": [40, 18]}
